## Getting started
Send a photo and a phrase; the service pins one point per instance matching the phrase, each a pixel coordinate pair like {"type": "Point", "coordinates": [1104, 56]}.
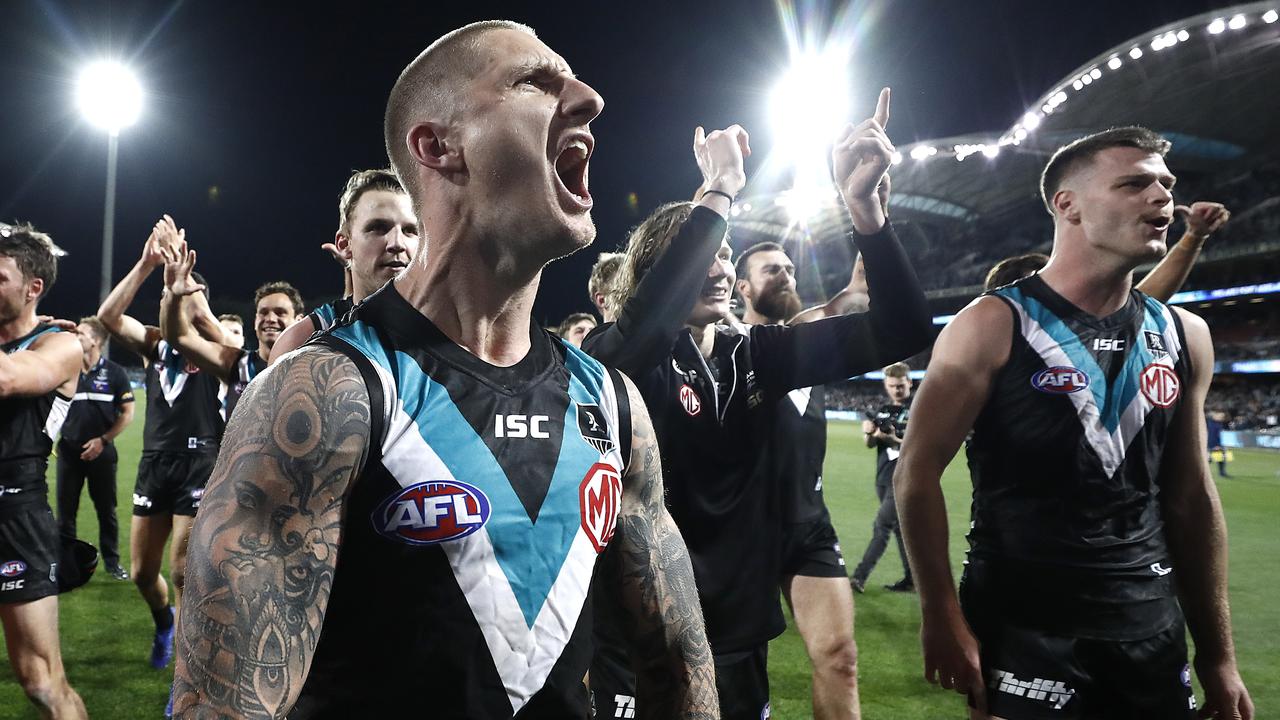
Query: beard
{"type": "Point", "coordinates": [779, 305]}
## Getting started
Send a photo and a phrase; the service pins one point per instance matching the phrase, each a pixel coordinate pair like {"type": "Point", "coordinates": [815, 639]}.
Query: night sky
{"type": "Point", "coordinates": [256, 112]}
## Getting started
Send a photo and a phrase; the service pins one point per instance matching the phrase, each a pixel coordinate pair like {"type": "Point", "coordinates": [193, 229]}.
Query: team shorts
{"type": "Point", "coordinates": [742, 682]}
{"type": "Point", "coordinates": [171, 483]}
{"type": "Point", "coordinates": [29, 552]}
{"type": "Point", "coordinates": [811, 549]}
{"type": "Point", "coordinates": [1032, 675]}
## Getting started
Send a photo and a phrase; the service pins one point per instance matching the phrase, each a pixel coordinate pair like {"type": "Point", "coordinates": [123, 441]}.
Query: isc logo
{"type": "Point", "coordinates": [432, 512]}
{"type": "Point", "coordinates": [518, 426]}
{"type": "Point", "coordinates": [1060, 379]}
{"type": "Point", "coordinates": [12, 568]}
{"type": "Point", "coordinates": [12, 585]}
{"type": "Point", "coordinates": [1108, 344]}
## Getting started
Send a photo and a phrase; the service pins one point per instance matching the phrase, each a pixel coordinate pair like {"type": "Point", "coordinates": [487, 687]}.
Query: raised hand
{"type": "Point", "coordinates": [1203, 218]}
{"type": "Point", "coordinates": [177, 272]}
{"type": "Point", "coordinates": [859, 160]}
{"type": "Point", "coordinates": [60, 323]}
{"type": "Point", "coordinates": [719, 156]}
{"type": "Point", "coordinates": [159, 248]}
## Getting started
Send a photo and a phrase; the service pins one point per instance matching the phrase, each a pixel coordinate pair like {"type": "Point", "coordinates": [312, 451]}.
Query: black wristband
{"type": "Point", "coordinates": [726, 195]}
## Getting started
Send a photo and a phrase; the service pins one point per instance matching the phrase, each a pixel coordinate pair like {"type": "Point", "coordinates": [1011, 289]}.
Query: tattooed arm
{"type": "Point", "coordinates": [675, 676]}
{"type": "Point", "coordinates": [265, 544]}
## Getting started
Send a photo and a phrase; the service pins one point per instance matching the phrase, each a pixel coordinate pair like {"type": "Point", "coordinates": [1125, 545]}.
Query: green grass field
{"type": "Point", "coordinates": [106, 630]}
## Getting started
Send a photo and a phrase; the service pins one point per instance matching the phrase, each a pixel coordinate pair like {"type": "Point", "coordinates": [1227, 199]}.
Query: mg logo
{"type": "Point", "coordinates": [1160, 385]}
{"type": "Point", "coordinates": [599, 498]}
{"type": "Point", "coordinates": [690, 400]}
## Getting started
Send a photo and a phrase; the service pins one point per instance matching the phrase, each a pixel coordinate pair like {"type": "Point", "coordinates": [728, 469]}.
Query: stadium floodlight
{"type": "Point", "coordinates": [1135, 52]}
{"type": "Point", "coordinates": [1114, 63]}
{"type": "Point", "coordinates": [1157, 43]}
{"type": "Point", "coordinates": [896, 159]}
{"type": "Point", "coordinates": [110, 97]}
{"type": "Point", "coordinates": [1270, 16]}
{"type": "Point", "coordinates": [920, 152]}
{"type": "Point", "coordinates": [1237, 22]}
{"type": "Point", "coordinates": [1183, 36]}
{"type": "Point", "coordinates": [1095, 73]}
{"type": "Point", "coordinates": [990, 150]}
{"type": "Point", "coordinates": [1217, 26]}
{"type": "Point", "coordinates": [808, 106]}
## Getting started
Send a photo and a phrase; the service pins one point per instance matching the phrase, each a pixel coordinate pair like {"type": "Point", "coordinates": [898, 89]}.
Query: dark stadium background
{"type": "Point", "coordinates": [256, 112]}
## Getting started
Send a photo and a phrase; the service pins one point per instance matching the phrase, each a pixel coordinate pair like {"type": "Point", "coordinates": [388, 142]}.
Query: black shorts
{"type": "Point", "coordinates": [812, 549]}
{"type": "Point", "coordinates": [1039, 676]}
{"type": "Point", "coordinates": [29, 552]}
{"type": "Point", "coordinates": [742, 682]}
{"type": "Point", "coordinates": [171, 483]}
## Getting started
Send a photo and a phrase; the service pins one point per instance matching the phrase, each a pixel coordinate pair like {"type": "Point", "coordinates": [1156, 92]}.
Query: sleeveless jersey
{"type": "Point", "coordinates": [328, 315]}
{"type": "Point", "coordinates": [27, 428]}
{"type": "Point", "coordinates": [247, 367]}
{"type": "Point", "coordinates": [799, 446]}
{"type": "Point", "coordinates": [1065, 458]}
{"type": "Point", "coordinates": [185, 407]}
{"type": "Point", "coordinates": [472, 533]}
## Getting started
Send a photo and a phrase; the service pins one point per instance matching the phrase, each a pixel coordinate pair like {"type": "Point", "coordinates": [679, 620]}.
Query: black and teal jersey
{"type": "Point", "coordinates": [1066, 454]}
{"type": "Point", "coordinates": [247, 367]}
{"type": "Point", "coordinates": [185, 407]}
{"type": "Point", "coordinates": [29, 424]}
{"type": "Point", "coordinates": [328, 315]}
{"type": "Point", "coordinates": [472, 533]}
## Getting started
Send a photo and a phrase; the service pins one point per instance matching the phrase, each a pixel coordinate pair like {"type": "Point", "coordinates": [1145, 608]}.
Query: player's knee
{"type": "Point", "coordinates": [40, 687]}
{"type": "Point", "coordinates": [838, 657]}
{"type": "Point", "coordinates": [179, 575]}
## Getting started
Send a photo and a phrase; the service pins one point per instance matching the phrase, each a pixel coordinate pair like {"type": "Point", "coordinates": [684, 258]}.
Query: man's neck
{"type": "Point", "coordinates": [91, 358]}
{"type": "Point", "coordinates": [704, 337]}
{"type": "Point", "coordinates": [753, 317]}
{"type": "Point", "coordinates": [484, 310]}
{"type": "Point", "coordinates": [264, 351]}
{"type": "Point", "coordinates": [21, 325]}
{"type": "Point", "coordinates": [1093, 281]}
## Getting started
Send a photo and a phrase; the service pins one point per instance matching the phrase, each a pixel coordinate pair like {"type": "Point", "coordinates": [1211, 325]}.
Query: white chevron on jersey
{"type": "Point", "coordinates": [800, 398]}
{"type": "Point", "coordinates": [1110, 446]}
{"type": "Point", "coordinates": [170, 388]}
{"type": "Point", "coordinates": [524, 656]}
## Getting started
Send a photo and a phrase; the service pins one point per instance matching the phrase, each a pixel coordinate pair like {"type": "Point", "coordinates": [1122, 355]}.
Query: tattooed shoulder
{"type": "Point", "coordinates": [265, 543]}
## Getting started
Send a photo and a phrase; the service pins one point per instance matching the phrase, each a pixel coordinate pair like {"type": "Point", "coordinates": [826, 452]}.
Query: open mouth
{"type": "Point", "coordinates": [715, 294]}
{"type": "Point", "coordinates": [1159, 222]}
{"type": "Point", "coordinates": [571, 169]}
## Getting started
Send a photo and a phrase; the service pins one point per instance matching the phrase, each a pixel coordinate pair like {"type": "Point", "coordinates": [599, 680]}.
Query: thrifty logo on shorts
{"type": "Point", "coordinates": [1054, 692]}
{"type": "Point", "coordinates": [624, 706]}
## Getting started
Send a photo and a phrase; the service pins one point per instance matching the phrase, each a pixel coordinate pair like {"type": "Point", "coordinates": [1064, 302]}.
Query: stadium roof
{"type": "Point", "coordinates": [1208, 83]}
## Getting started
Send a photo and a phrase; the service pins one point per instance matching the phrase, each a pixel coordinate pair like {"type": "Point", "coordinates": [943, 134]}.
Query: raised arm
{"type": "Point", "coordinates": [51, 362]}
{"type": "Point", "coordinates": [966, 358]}
{"type": "Point", "coordinates": [1197, 534]}
{"type": "Point", "coordinates": [265, 545]}
{"type": "Point", "coordinates": [1203, 219]}
{"type": "Point", "coordinates": [649, 565]}
{"type": "Point", "coordinates": [211, 357]}
{"type": "Point", "coordinates": [139, 338]}
{"type": "Point", "coordinates": [649, 322]}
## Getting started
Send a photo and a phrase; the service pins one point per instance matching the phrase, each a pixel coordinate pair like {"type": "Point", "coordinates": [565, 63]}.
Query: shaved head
{"type": "Point", "coordinates": [428, 87]}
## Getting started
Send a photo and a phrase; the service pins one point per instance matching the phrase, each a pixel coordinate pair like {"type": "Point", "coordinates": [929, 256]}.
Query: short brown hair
{"type": "Point", "coordinates": [1012, 269]}
{"type": "Point", "coordinates": [740, 267]}
{"type": "Point", "coordinates": [32, 251]}
{"type": "Point", "coordinates": [279, 286]}
{"type": "Point", "coordinates": [96, 327]}
{"type": "Point", "coordinates": [603, 272]}
{"type": "Point", "coordinates": [429, 82]}
{"type": "Point", "coordinates": [361, 182]}
{"type": "Point", "coordinates": [1077, 154]}
{"type": "Point", "coordinates": [898, 370]}
{"type": "Point", "coordinates": [645, 245]}
{"type": "Point", "coordinates": [232, 317]}
{"type": "Point", "coordinates": [572, 320]}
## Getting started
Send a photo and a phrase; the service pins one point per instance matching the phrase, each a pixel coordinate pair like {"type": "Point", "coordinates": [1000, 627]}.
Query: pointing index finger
{"type": "Point", "coordinates": [882, 108]}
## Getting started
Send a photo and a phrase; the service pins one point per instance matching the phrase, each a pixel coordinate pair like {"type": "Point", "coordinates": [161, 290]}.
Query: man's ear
{"type": "Point", "coordinates": [432, 146]}
{"type": "Point", "coordinates": [343, 243]}
{"type": "Point", "coordinates": [742, 286]}
{"type": "Point", "coordinates": [1064, 205]}
{"type": "Point", "coordinates": [34, 289]}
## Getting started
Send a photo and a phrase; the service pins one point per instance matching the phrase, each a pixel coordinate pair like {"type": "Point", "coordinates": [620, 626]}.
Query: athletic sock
{"type": "Point", "coordinates": [163, 617]}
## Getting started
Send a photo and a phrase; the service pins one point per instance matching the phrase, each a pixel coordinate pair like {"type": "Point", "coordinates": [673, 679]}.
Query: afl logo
{"type": "Point", "coordinates": [1060, 380]}
{"type": "Point", "coordinates": [432, 512]}
{"type": "Point", "coordinates": [599, 497]}
{"type": "Point", "coordinates": [689, 399]}
{"type": "Point", "coordinates": [13, 568]}
{"type": "Point", "coordinates": [1160, 385]}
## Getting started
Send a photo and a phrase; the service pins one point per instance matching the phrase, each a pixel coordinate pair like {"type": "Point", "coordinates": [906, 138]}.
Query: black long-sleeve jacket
{"type": "Point", "coordinates": [720, 489]}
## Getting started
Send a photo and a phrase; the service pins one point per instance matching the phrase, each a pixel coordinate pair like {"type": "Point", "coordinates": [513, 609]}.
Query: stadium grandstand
{"type": "Point", "coordinates": [962, 203]}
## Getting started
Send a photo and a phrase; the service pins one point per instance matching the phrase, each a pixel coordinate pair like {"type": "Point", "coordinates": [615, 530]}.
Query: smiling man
{"type": "Point", "coordinates": [1095, 524]}
{"type": "Point", "coordinates": [377, 238]}
{"type": "Point", "coordinates": [276, 306]}
{"type": "Point", "coordinates": [415, 506]}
